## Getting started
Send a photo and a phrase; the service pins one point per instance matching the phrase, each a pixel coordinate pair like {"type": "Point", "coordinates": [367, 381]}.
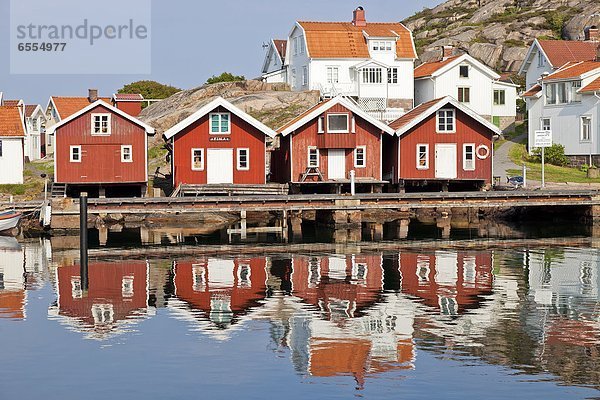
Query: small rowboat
{"type": "Point", "coordinates": [8, 221]}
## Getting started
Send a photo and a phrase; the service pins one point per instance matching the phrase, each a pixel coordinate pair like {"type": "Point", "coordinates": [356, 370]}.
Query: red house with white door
{"type": "Point", "coordinates": [440, 143]}
{"type": "Point", "coordinates": [219, 144]}
{"type": "Point", "coordinates": [101, 150]}
{"type": "Point", "coordinates": [326, 142]}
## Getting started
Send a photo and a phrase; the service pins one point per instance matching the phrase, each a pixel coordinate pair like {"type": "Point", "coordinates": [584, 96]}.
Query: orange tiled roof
{"type": "Point", "coordinates": [29, 109]}
{"type": "Point", "coordinates": [67, 106]}
{"type": "Point", "coordinates": [281, 47]}
{"type": "Point", "coordinates": [412, 114]}
{"type": "Point", "coordinates": [299, 117]}
{"type": "Point", "coordinates": [344, 40]}
{"type": "Point", "coordinates": [11, 103]}
{"type": "Point", "coordinates": [592, 87]}
{"type": "Point", "coordinates": [128, 97]}
{"type": "Point", "coordinates": [428, 68]}
{"type": "Point", "coordinates": [574, 70]}
{"type": "Point", "coordinates": [10, 122]}
{"type": "Point", "coordinates": [560, 52]}
{"type": "Point", "coordinates": [532, 91]}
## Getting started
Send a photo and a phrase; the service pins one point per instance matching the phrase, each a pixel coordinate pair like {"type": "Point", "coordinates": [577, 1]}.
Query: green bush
{"type": "Point", "coordinates": [554, 155]}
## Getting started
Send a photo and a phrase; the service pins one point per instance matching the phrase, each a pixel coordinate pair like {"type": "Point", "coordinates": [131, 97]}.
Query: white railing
{"type": "Point", "coordinates": [336, 89]}
{"type": "Point", "coordinates": [387, 115]}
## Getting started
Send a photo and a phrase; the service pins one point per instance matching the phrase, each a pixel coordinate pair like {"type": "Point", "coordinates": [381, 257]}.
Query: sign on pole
{"type": "Point", "coordinates": [542, 139]}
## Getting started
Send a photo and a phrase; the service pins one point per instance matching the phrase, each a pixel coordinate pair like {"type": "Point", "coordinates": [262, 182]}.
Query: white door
{"type": "Point", "coordinates": [219, 166]}
{"type": "Point", "coordinates": [336, 164]}
{"type": "Point", "coordinates": [445, 161]}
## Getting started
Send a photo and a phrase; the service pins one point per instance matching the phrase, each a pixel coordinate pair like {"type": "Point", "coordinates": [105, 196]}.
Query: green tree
{"type": "Point", "coordinates": [150, 89]}
{"type": "Point", "coordinates": [225, 77]}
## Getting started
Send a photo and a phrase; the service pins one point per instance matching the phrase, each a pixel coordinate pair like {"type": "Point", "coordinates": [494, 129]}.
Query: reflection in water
{"type": "Point", "coordinates": [365, 316]}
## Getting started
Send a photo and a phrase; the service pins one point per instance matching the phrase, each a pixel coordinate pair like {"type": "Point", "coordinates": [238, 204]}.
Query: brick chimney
{"type": "Point", "coordinates": [92, 95]}
{"type": "Point", "coordinates": [447, 52]}
{"type": "Point", "coordinates": [358, 17]}
{"type": "Point", "coordinates": [592, 34]}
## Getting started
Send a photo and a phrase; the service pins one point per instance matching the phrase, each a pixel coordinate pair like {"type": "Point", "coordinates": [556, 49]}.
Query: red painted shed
{"type": "Point", "coordinates": [332, 138]}
{"type": "Point", "coordinates": [131, 103]}
{"type": "Point", "coordinates": [102, 150]}
{"type": "Point", "coordinates": [219, 144]}
{"type": "Point", "coordinates": [440, 142]}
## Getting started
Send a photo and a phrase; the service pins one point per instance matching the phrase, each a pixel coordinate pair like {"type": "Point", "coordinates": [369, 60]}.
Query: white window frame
{"type": "Point", "coordinates": [353, 130]}
{"type": "Point", "coordinates": [123, 147]}
{"type": "Point", "coordinates": [308, 162]}
{"type": "Point", "coordinates": [589, 133]}
{"type": "Point", "coordinates": [304, 76]}
{"type": "Point", "coordinates": [220, 114]}
{"type": "Point", "coordinates": [201, 167]}
{"type": "Point", "coordinates": [468, 71]}
{"type": "Point", "coordinates": [542, 125]}
{"type": "Point", "coordinates": [437, 120]}
{"type": "Point", "coordinates": [301, 39]}
{"type": "Point", "coordinates": [464, 89]}
{"type": "Point", "coordinates": [347, 130]}
{"type": "Point", "coordinates": [239, 166]}
{"type": "Point", "coordinates": [426, 166]}
{"type": "Point", "coordinates": [499, 103]}
{"type": "Point", "coordinates": [108, 122]}
{"type": "Point", "coordinates": [472, 167]}
{"type": "Point", "coordinates": [374, 76]}
{"type": "Point", "coordinates": [393, 75]}
{"type": "Point", "coordinates": [71, 148]}
{"type": "Point", "coordinates": [541, 61]}
{"type": "Point", "coordinates": [320, 124]}
{"type": "Point", "coordinates": [333, 74]}
{"type": "Point", "coordinates": [364, 152]}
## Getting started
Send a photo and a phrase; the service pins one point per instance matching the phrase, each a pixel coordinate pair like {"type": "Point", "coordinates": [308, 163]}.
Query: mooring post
{"type": "Point", "coordinates": [83, 241]}
{"type": "Point", "coordinates": [524, 176]}
{"type": "Point", "coordinates": [352, 182]}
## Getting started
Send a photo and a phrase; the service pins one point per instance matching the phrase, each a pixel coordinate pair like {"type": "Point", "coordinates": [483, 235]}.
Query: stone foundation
{"type": "Point", "coordinates": [406, 104]}
{"type": "Point", "coordinates": [507, 124]}
{"type": "Point", "coordinates": [579, 160]}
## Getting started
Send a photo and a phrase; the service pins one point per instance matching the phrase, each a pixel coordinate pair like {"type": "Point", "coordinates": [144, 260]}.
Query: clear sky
{"type": "Point", "coordinates": [194, 39]}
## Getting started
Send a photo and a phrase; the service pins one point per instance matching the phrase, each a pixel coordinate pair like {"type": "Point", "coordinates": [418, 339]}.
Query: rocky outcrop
{"type": "Point", "coordinates": [499, 32]}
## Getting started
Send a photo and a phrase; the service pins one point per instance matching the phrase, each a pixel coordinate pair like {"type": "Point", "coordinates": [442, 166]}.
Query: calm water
{"type": "Point", "coordinates": [511, 323]}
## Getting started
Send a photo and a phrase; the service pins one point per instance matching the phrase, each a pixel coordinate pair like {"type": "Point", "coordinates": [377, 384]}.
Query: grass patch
{"type": "Point", "coordinates": [499, 143]}
{"type": "Point", "coordinates": [157, 152]}
{"type": "Point", "coordinates": [31, 189]}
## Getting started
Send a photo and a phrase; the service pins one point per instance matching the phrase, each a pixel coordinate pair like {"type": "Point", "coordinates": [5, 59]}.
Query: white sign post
{"type": "Point", "coordinates": [542, 139]}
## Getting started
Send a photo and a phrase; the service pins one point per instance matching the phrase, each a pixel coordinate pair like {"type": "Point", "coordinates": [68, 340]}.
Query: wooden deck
{"type": "Point", "coordinates": [367, 201]}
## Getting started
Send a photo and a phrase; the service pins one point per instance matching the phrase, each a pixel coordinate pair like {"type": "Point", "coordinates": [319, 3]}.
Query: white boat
{"type": "Point", "coordinates": [8, 221]}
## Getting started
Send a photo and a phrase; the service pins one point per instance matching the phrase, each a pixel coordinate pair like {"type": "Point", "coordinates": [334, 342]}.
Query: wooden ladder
{"type": "Point", "coordinates": [312, 171]}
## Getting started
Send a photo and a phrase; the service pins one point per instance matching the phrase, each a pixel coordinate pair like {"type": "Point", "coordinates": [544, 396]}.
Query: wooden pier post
{"type": "Point", "coordinates": [296, 223]}
{"type": "Point", "coordinates": [83, 241]}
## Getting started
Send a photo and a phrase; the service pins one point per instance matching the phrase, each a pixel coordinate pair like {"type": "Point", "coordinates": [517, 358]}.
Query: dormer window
{"type": "Point", "coordinates": [101, 124]}
{"type": "Point", "coordinates": [541, 61]}
{"type": "Point", "coordinates": [220, 124]}
{"type": "Point", "coordinates": [338, 123]}
{"type": "Point", "coordinates": [381, 45]}
{"type": "Point", "coordinates": [464, 71]}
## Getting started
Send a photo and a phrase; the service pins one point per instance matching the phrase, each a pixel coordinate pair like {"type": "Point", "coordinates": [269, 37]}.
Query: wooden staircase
{"type": "Point", "coordinates": [58, 190]}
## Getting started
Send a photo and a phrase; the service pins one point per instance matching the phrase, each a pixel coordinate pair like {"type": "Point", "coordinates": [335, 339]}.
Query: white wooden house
{"type": "Point", "coordinates": [472, 83]}
{"type": "Point", "coordinates": [546, 56]}
{"type": "Point", "coordinates": [370, 62]}
{"type": "Point", "coordinates": [274, 67]}
{"type": "Point", "coordinates": [567, 102]}
{"type": "Point", "coordinates": [35, 126]}
{"type": "Point", "coordinates": [12, 133]}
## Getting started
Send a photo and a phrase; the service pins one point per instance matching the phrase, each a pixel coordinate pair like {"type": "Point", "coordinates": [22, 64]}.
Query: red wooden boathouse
{"type": "Point", "coordinates": [102, 150]}
{"type": "Point", "coordinates": [219, 144]}
{"type": "Point", "coordinates": [441, 143]}
{"type": "Point", "coordinates": [321, 146]}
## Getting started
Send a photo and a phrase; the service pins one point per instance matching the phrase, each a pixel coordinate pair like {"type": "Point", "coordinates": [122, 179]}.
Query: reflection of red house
{"type": "Point", "coordinates": [116, 292]}
{"type": "Point", "coordinates": [12, 304]}
{"type": "Point", "coordinates": [338, 284]}
{"type": "Point", "coordinates": [451, 281]}
{"type": "Point", "coordinates": [222, 289]}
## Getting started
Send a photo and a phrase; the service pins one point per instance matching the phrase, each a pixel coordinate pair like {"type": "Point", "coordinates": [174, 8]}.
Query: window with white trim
{"type": "Point", "coordinates": [337, 123]}
{"type": "Point", "coordinates": [333, 74]}
{"type": "Point", "coordinates": [422, 156]}
{"type": "Point", "coordinates": [586, 128]}
{"type": "Point", "coordinates": [393, 75]}
{"type": "Point", "coordinates": [100, 124]}
{"type": "Point", "coordinates": [126, 153]}
{"type": "Point", "coordinates": [293, 77]}
{"type": "Point", "coordinates": [541, 61]}
{"type": "Point", "coordinates": [464, 95]}
{"type": "Point", "coordinates": [463, 71]}
{"type": "Point", "coordinates": [371, 75]}
{"type": "Point", "coordinates": [575, 95]}
{"type": "Point", "coordinates": [321, 123]}
{"type": "Point", "coordinates": [353, 124]}
{"type": "Point", "coordinates": [197, 159]}
{"type": "Point", "coordinates": [313, 157]}
{"type": "Point", "coordinates": [381, 45]}
{"type": "Point", "coordinates": [127, 286]}
{"type": "Point", "coordinates": [545, 124]}
{"type": "Point", "coordinates": [445, 121]}
{"type": "Point", "coordinates": [469, 157]}
{"type": "Point", "coordinates": [75, 153]}
{"type": "Point", "coordinates": [243, 159]}
{"type": "Point", "coordinates": [304, 76]}
{"type": "Point", "coordinates": [301, 40]}
{"type": "Point", "coordinates": [562, 92]}
{"type": "Point", "coordinates": [220, 123]}
{"type": "Point", "coordinates": [360, 157]}
{"type": "Point", "coordinates": [499, 97]}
